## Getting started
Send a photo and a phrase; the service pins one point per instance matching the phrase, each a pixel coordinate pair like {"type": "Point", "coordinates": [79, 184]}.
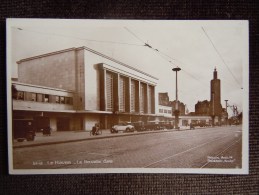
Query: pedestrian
{"type": "Point", "coordinates": [47, 131]}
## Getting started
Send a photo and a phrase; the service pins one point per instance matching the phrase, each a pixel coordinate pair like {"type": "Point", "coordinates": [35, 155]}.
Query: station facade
{"type": "Point", "coordinates": [75, 88]}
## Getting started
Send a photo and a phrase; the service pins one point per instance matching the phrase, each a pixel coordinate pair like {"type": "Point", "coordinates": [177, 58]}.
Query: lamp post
{"type": "Point", "coordinates": [226, 112]}
{"type": "Point", "coordinates": [176, 112]}
{"type": "Point", "coordinates": [213, 110]}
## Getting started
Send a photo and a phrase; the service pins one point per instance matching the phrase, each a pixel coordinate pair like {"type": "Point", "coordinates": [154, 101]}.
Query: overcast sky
{"type": "Point", "coordinates": [222, 44]}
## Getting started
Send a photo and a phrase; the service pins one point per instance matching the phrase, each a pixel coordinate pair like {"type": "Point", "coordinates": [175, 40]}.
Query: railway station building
{"type": "Point", "coordinates": [75, 88]}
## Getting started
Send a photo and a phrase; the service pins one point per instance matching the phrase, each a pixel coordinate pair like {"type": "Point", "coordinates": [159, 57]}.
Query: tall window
{"type": "Point", "coordinates": [142, 98]}
{"type": "Point", "coordinates": [132, 96]}
{"type": "Point", "coordinates": [149, 99]}
{"type": "Point", "coordinates": [122, 94]}
{"type": "Point", "coordinates": [109, 91]}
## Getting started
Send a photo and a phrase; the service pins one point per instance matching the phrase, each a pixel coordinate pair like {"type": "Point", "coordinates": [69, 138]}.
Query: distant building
{"type": "Point", "coordinates": [181, 107]}
{"type": "Point", "coordinates": [202, 108]}
{"type": "Point", "coordinates": [163, 99]}
{"type": "Point", "coordinates": [164, 107]}
{"type": "Point", "coordinates": [215, 98]}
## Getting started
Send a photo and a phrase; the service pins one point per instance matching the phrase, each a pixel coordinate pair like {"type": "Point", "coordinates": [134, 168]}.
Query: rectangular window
{"type": "Point", "coordinates": [62, 100]}
{"type": "Point", "coordinates": [33, 97]}
{"type": "Point", "coordinates": [20, 95]}
{"type": "Point", "coordinates": [39, 97]}
{"type": "Point", "coordinates": [132, 96]}
{"type": "Point", "coordinates": [122, 94]}
{"type": "Point", "coordinates": [57, 99]}
{"type": "Point", "coordinates": [46, 98]}
{"type": "Point", "coordinates": [69, 100]}
{"type": "Point", "coordinates": [109, 92]}
{"type": "Point", "coordinates": [160, 110]}
{"type": "Point", "coordinates": [165, 111]}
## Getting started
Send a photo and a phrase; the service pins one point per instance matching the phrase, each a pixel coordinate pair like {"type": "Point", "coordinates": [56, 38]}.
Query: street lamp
{"type": "Point", "coordinates": [226, 112]}
{"type": "Point", "coordinates": [176, 112]}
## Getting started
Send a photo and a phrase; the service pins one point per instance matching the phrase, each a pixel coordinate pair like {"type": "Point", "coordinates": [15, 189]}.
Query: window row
{"type": "Point", "coordinates": [38, 97]}
{"type": "Point", "coordinates": [165, 111]}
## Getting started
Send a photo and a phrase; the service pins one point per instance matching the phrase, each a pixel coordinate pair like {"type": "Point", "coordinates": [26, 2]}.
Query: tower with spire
{"type": "Point", "coordinates": [215, 98]}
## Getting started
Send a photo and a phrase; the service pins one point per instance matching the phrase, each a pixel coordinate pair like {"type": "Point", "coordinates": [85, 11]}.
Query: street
{"type": "Point", "coordinates": [218, 147]}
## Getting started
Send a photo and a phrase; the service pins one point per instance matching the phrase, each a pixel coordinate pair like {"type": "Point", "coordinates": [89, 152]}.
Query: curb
{"type": "Point", "coordinates": [92, 138]}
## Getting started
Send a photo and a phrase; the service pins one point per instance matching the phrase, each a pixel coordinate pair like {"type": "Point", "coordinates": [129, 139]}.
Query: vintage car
{"type": "Point", "coordinates": [153, 125]}
{"type": "Point", "coordinates": [23, 129]}
{"type": "Point", "coordinates": [124, 127]}
{"type": "Point", "coordinates": [139, 125]}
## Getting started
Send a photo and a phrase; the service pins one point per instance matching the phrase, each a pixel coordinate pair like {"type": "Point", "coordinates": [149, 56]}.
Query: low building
{"type": "Point", "coordinates": [181, 107]}
{"type": "Point", "coordinates": [202, 108]}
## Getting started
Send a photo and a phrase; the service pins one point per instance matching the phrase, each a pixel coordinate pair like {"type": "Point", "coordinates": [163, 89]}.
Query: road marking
{"type": "Point", "coordinates": [183, 152]}
{"type": "Point", "coordinates": [233, 143]}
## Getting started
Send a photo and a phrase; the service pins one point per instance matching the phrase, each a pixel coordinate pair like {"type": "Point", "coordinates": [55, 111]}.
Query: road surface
{"type": "Point", "coordinates": [218, 147]}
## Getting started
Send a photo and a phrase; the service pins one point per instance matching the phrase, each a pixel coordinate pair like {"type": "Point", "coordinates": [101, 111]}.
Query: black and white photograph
{"type": "Point", "coordinates": [127, 96]}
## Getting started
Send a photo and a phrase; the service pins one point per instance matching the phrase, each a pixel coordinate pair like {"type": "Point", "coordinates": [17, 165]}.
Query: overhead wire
{"type": "Point", "coordinates": [79, 38]}
{"type": "Point", "coordinates": [220, 56]}
{"type": "Point", "coordinates": [163, 55]}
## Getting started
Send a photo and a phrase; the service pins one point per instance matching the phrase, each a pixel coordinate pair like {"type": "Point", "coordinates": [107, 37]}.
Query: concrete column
{"type": "Point", "coordinates": [116, 90]}
{"type": "Point", "coordinates": [128, 94]}
{"type": "Point", "coordinates": [103, 94]}
{"type": "Point", "coordinates": [153, 104]}
{"type": "Point", "coordinates": [145, 98]}
{"type": "Point", "coordinates": [138, 96]}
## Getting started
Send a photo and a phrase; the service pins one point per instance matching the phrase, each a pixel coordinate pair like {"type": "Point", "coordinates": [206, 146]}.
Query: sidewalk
{"type": "Point", "coordinates": [57, 137]}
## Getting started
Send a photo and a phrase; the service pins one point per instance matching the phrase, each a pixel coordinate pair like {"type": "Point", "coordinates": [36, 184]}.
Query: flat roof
{"type": "Point", "coordinates": [40, 86]}
{"type": "Point", "coordinates": [88, 49]}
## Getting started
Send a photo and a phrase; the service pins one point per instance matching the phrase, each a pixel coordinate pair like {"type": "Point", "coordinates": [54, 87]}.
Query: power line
{"type": "Point", "coordinates": [134, 35]}
{"type": "Point", "coordinates": [163, 54]}
{"type": "Point", "coordinates": [220, 56]}
{"type": "Point", "coordinates": [73, 37]}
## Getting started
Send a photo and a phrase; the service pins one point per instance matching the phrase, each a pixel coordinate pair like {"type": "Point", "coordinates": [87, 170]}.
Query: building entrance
{"type": "Point", "coordinates": [63, 124]}
{"type": "Point", "coordinates": [41, 123]}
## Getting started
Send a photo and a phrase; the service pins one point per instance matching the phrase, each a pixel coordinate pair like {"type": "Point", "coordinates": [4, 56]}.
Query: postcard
{"type": "Point", "coordinates": [127, 96]}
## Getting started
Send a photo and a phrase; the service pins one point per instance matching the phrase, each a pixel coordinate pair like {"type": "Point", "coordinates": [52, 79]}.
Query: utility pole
{"type": "Point", "coordinates": [176, 112]}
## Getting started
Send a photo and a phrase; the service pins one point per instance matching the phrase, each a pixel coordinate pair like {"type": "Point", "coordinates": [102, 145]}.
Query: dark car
{"type": "Point", "coordinates": [23, 129]}
{"type": "Point", "coordinates": [152, 125]}
{"type": "Point", "coordinates": [139, 125]}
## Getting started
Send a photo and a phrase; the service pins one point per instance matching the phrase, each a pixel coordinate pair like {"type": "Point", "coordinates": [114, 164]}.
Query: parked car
{"type": "Point", "coordinates": [152, 125]}
{"type": "Point", "coordinates": [124, 127]}
{"type": "Point", "coordinates": [139, 125]}
{"type": "Point", "coordinates": [23, 129]}
{"type": "Point", "coordinates": [192, 126]}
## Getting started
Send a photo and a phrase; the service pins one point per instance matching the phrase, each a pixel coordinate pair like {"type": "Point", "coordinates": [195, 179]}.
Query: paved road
{"type": "Point", "coordinates": [218, 147]}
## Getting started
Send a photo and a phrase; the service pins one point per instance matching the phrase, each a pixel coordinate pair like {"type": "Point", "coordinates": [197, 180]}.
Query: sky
{"type": "Point", "coordinates": [197, 47]}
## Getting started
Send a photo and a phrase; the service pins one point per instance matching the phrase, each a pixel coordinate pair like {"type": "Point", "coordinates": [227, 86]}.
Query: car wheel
{"type": "Point", "coordinates": [30, 137]}
{"type": "Point", "coordinates": [20, 139]}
